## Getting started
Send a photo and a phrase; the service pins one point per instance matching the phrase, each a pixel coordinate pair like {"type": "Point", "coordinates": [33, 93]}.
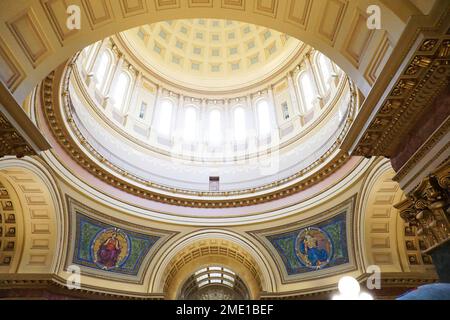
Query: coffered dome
{"type": "Point", "coordinates": [210, 54]}
{"type": "Point", "coordinates": [231, 137]}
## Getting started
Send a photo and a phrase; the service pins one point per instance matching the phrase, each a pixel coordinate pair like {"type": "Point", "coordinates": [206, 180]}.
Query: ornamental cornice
{"type": "Point", "coordinates": [426, 75]}
{"type": "Point", "coordinates": [111, 174]}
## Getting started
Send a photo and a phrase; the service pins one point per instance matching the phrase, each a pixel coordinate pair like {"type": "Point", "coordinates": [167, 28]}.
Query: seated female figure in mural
{"type": "Point", "coordinates": [109, 251]}
{"type": "Point", "coordinates": [315, 255]}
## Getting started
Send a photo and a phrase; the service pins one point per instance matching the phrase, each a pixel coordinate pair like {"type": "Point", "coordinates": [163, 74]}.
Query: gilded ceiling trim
{"type": "Point", "coordinates": [19, 136]}
{"type": "Point", "coordinates": [325, 112]}
{"type": "Point", "coordinates": [11, 142]}
{"type": "Point", "coordinates": [54, 118]}
{"type": "Point", "coordinates": [57, 284]}
{"type": "Point", "coordinates": [425, 209]}
{"type": "Point", "coordinates": [120, 46]}
{"type": "Point", "coordinates": [211, 247]}
{"type": "Point", "coordinates": [9, 229]}
{"type": "Point", "coordinates": [427, 74]}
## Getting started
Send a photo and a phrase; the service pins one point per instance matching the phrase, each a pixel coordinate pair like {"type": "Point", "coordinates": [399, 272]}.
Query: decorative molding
{"type": "Point", "coordinates": [56, 13]}
{"type": "Point", "coordinates": [55, 122]}
{"type": "Point", "coordinates": [39, 211]}
{"type": "Point", "coordinates": [99, 12]}
{"type": "Point", "coordinates": [9, 232]}
{"type": "Point", "coordinates": [200, 3]}
{"type": "Point", "coordinates": [29, 34]}
{"type": "Point", "coordinates": [104, 221]}
{"type": "Point", "coordinates": [426, 208]}
{"type": "Point", "coordinates": [426, 75]}
{"type": "Point", "coordinates": [166, 4]}
{"type": "Point", "coordinates": [211, 247]}
{"type": "Point", "coordinates": [298, 12]}
{"type": "Point", "coordinates": [331, 20]}
{"type": "Point", "coordinates": [266, 7]}
{"type": "Point", "coordinates": [379, 59]}
{"type": "Point", "coordinates": [11, 73]}
{"type": "Point", "coordinates": [140, 7]}
{"type": "Point", "coordinates": [19, 136]}
{"type": "Point", "coordinates": [346, 208]}
{"type": "Point", "coordinates": [11, 142]}
{"type": "Point", "coordinates": [233, 4]}
{"type": "Point", "coordinates": [58, 285]}
{"type": "Point", "coordinates": [358, 39]}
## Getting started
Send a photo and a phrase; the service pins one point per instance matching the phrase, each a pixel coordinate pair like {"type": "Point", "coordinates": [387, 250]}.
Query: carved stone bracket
{"type": "Point", "coordinates": [427, 208]}
{"type": "Point", "coordinates": [11, 142]}
{"type": "Point", "coordinates": [18, 134]}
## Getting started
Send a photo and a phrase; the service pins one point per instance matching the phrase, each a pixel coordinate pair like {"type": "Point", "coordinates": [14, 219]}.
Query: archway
{"type": "Point", "coordinates": [39, 216]}
{"type": "Point", "coordinates": [383, 234]}
{"type": "Point", "coordinates": [36, 31]}
{"type": "Point", "coordinates": [212, 247]}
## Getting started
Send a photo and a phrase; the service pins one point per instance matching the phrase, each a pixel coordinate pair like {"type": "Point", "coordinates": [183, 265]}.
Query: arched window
{"type": "Point", "coordinates": [89, 57]}
{"type": "Point", "coordinates": [240, 127]}
{"type": "Point", "coordinates": [307, 90]}
{"type": "Point", "coordinates": [121, 89]}
{"type": "Point", "coordinates": [215, 127]}
{"type": "Point", "coordinates": [190, 124]}
{"type": "Point", "coordinates": [101, 73]}
{"type": "Point", "coordinates": [325, 70]}
{"type": "Point", "coordinates": [165, 117]}
{"type": "Point", "coordinates": [263, 111]}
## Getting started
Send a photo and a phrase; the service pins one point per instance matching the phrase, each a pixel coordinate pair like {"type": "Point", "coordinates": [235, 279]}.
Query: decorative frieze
{"type": "Point", "coordinates": [170, 195]}
{"type": "Point", "coordinates": [427, 209]}
{"type": "Point", "coordinates": [11, 141]}
{"type": "Point", "coordinates": [427, 74]}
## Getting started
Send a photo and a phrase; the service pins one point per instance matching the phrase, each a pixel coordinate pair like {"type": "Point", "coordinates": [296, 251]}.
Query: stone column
{"type": "Point", "coordinates": [131, 108]}
{"type": "Point", "coordinates": [276, 124]}
{"type": "Point", "coordinates": [151, 118]}
{"type": "Point", "coordinates": [318, 101]}
{"type": "Point", "coordinates": [253, 136]}
{"type": "Point", "coordinates": [293, 93]}
{"type": "Point", "coordinates": [204, 116]}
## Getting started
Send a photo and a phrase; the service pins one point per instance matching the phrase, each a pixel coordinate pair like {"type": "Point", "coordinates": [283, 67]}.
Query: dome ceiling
{"type": "Point", "coordinates": [256, 143]}
{"type": "Point", "coordinates": [210, 54]}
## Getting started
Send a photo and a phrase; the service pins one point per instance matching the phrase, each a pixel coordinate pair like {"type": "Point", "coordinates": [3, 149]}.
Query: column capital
{"type": "Point", "coordinates": [427, 209]}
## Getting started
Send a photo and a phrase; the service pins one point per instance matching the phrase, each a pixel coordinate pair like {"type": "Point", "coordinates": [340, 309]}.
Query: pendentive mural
{"type": "Point", "coordinates": [107, 247]}
{"type": "Point", "coordinates": [315, 247]}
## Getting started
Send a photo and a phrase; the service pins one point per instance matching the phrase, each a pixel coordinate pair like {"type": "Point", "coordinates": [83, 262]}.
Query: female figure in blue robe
{"type": "Point", "coordinates": [313, 253]}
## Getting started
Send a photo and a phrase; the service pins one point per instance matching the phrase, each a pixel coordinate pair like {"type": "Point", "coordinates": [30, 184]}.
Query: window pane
{"type": "Point", "coordinates": [190, 124]}
{"type": "Point", "coordinates": [325, 69]}
{"type": "Point", "coordinates": [120, 90]}
{"type": "Point", "coordinates": [215, 268]}
{"type": "Point", "coordinates": [239, 124]}
{"type": "Point", "coordinates": [307, 90]}
{"type": "Point", "coordinates": [285, 110]}
{"type": "Point", "coordinates": [201, 270]}
{"type": "Point", "coordinates": [102, 70]}
{"type": "Point", "coordinates": [215, 128]}
{"type": "Point", "coordinates": [165, 117]}
{"type": "Point", "coordinates": [143, 110]}
{"type": "Point", "coordinates": [263, 118]}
